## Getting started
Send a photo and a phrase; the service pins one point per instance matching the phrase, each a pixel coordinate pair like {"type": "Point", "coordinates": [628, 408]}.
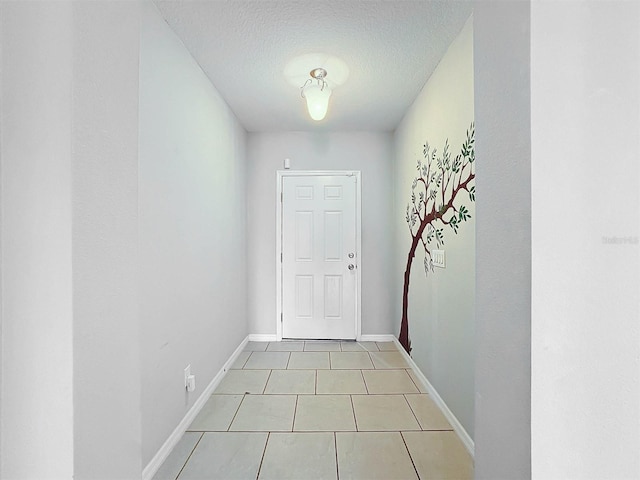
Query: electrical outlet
{"type": "Point", "coordinates": [191, 383]}
{"type": "Point", "coordinates": [438, 258]}
{"type": "Point", "coordinates": [187, 374]}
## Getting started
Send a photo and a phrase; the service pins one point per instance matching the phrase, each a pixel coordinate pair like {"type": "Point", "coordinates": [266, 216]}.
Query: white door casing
{"type": "Point", "coordinates": [318, 257]}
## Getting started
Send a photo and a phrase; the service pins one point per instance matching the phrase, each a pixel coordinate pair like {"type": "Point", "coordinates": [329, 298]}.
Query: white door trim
{"type": "Point", "coordinates": [309, 173]}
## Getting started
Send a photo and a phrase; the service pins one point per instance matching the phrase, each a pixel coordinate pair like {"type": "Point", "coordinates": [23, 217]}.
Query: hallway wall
{"type": "Point", "coordinates": [502, 98]}
{"type": "Point", "coordinates": [192, 230]}
{"type": "Point", "coordinates": [441, 313]}
{"type": "Point", "coordinates": [37, 324]}
{"type": "Point", "coordinates": [370, 153]}
{"type": "Point", "coordinates": [70, 382]}
{"type": "Point", "coordinates": [585, 134]}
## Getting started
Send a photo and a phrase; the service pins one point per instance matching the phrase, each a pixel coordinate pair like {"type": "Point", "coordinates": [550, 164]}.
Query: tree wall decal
{"type": "Point", "coordinates": [432, 207]}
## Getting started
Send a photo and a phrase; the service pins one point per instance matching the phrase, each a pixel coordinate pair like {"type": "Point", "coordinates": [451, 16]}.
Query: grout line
{"type": "Point", "coordinates": [371, 360]}
{"type": "Point", "coordinates": [246, 361]}
{"type": "Point", "coordinates": [236, 413]}
{"type": "Point", "coordinates": [295, 412]}
{"type": "Point", "coordinates": [266, 383]}
{"type": "Point", "coordinates": [288, 360]}
{"type": "Point", "coordinates": [366, 387]}
{"type": "Point", "coordinates": [315, 384]}
{"type": "Point", "coordinates": [263, 454]}
{"type": "Point", "coordinates": [189, 457]}
{"type": "Point", "coordinates": [330, 366]}
{"type": "Point", "coordinates": [353, 409]}
{"type": "Point", "coordinates": [414, 413]}
{"type": "Point", "coordinates": [414, 382]}
{"type": "Point", "coordinates": [335, 447]}
{"type": "Point", "coordinates": [409, 452]}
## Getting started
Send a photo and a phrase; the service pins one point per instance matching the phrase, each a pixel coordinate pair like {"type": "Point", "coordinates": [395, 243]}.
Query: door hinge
{"type": "Point", "coordinates": [280, 257]}
{"type": "Point", "coordinates": [281, 318]}
{"type": "Point", "coordinates": [281, 197]}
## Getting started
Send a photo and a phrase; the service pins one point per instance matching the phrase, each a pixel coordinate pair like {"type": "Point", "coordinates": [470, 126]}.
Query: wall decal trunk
{"type": "Point", "coordinates": [437, 185]}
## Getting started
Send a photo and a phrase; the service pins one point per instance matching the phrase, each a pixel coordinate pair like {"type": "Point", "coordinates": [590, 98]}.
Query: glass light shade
{"type": "Point", "coordinates": [317, 100]}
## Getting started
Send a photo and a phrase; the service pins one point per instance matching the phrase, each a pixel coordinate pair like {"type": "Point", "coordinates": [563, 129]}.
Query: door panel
{"type": "Point", "coordinates": [304, 236]}
{"type": "Point", "coordinates": [333, 236]}
{"type": "Point", "coordinates": [318, 234]}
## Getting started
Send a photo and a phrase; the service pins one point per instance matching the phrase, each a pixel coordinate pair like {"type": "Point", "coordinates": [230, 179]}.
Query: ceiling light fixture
{"type": "Point", "coordinates": [316, 92]}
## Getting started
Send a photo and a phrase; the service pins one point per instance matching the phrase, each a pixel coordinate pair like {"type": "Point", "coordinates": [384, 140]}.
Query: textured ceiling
{"type": "Point", "coordinates": [390, 47]}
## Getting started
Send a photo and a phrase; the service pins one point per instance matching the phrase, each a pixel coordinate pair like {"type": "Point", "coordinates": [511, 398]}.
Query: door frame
{"type": "Point", "coordinates": [311, 173]}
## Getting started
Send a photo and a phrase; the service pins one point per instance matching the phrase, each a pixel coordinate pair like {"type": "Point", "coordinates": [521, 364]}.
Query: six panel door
{"type": "Point", "coordinates": [319, 277]}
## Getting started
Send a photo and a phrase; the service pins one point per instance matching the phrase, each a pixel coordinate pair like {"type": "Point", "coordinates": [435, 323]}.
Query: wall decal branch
{"type": "Point", "coordinates": [433, 193]}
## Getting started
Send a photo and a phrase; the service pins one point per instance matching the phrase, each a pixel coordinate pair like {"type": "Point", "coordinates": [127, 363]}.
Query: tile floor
{"type": "Point", "coordinates": [319, 410]}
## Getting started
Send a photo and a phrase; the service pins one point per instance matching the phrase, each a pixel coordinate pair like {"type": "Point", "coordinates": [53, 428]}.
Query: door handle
{"type": "Point", "coordinates": [351, 266]}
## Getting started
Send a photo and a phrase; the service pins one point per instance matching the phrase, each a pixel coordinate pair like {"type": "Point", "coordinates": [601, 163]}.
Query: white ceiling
{"type": "Point", "coordinates": [390, 47]}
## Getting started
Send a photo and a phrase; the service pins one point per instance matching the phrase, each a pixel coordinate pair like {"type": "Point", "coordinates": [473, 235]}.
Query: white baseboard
{"type": "Point", "coordinates": [155, 463]}
{"type": "Point", "coordinates": [387, 337]}
{"type": "Point", "coordinates": [262, 337]}
{"type": "Point", "coordinates": [455, 423]}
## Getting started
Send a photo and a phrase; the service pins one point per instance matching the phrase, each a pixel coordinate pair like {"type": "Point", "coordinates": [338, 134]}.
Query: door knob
{"type": "Point", "coordinates": [351, 266]}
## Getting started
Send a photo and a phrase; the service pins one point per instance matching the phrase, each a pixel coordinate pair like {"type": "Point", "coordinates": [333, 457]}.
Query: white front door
{"type": "Point", "coordinates": [319, 258]}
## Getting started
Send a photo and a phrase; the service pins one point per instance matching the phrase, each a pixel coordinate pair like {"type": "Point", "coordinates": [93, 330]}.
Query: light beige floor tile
{"type": "Point", "coordinates": [359, 346]}
{"type": "Point", "coordinates": [226, 455]}
{"type": "Point", "coordinates": [383, 413]}
{"type": "Point", "coordinates": [417, 381]}
{"type": "Point", "coordinates": [388, 381]}
{"type": "Point", "coordinates": [439, 455]}
{"type": "Point", "coordinates": [427, 412]}
{"type": "Point", "coordinates": [386, 346]}
{"type": "Point", "coordinates": [285, 346]}
{"type": "Point", "coordinates": [258, 413]}
{"type": "Point", "coordinates": [256, 346]}
{"type": "Point", "coordinates": [216, 414]}
{"type": "Point", "coordinates": [267, 360]}
{"type": "Point", "coordinates": [291, 381]}
{"type": "Point", "coordinates": [297, 456]}
{"type": "Point", "coordinates": [372, 456]}
{"type": "Point", "coordinates": [171, 467]}
{"type": "Point", "coordinates": [324, 413]}
{"type": "Point", "coordinates": [309, 360]}
{"type": "Point", "coordinates": [243, 381]}
{"type": "Point", "coordinates": [241, 360]}
{"type": "Point", "coordinates": [340, 381]}
{"type": "Point", "coordinates": [351, 360]}
{"type": "Point", "coordinates": [383, 360]}
{"type": "Point", "coordinates": [321, 346]}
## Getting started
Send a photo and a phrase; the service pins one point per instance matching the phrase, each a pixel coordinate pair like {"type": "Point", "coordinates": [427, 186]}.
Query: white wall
{"type": "Point", "coordinates": [371, 153]}
{"type": "Point", "coordinates": [70, 391]}
{"type": "Point", "coordinates": [441, 305]}
{"type": "Point", "coordinates": [106, 349]}
{"type": "Point", "coordinates": [37, 329]}
{"type": "Point", "coordinates": [585, 133]}
{"type": "Point", "coordinates": [503, 240]}
{"type": "Point", "coordinates": [192, 230]}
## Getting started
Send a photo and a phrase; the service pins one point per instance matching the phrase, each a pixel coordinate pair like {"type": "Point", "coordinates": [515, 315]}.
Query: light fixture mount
{"type": "Point", "coordinates": [316, 92]}
{"type": "Point", "coordinates": [318, 73]}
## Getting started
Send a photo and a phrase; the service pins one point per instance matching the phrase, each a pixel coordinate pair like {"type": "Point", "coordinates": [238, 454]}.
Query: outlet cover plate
{"type": "Point", "coordinates": [438, 258]}
{"type": "Point", "coordinates": [187, 372]}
